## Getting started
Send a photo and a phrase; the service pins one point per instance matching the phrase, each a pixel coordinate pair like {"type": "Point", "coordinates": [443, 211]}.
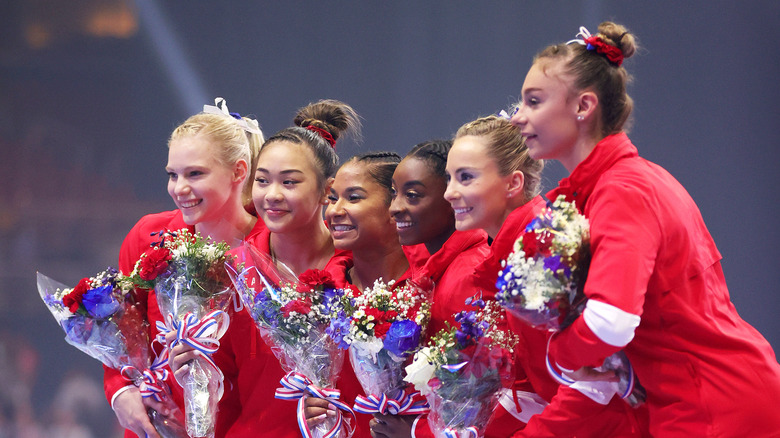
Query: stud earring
{"type": "Point", "coordinates": [580, 118]}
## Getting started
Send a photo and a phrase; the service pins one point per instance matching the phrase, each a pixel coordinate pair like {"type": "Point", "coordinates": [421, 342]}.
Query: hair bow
{"type": "Point", "coordinates": [613, 54]}
{"type": "Point", "coordinates": [220, 108]}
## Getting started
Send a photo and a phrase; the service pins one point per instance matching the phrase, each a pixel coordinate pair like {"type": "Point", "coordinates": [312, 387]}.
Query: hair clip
{"type": "Point", "coordinates": [595, 43]}
{"type": "Point", "coordinates": [504, 115]}
{"type": "Point", "coordinates": [220, 108]}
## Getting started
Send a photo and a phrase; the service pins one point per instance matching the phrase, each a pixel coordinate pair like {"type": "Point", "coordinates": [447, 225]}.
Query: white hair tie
{"type": "Point", "coordinates": [220, 108]}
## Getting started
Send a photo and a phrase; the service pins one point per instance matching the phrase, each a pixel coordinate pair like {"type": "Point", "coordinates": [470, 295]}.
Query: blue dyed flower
{"type": "Point", "coordinates": [534, 224]}
{"type": "Point", "coordinates": [555, 264]}
{"type": "Point", "coordinates": [100, 302]}
{"type": "Point", "coordinates": [338, 328]}
{"type": "Point", "coordinates": [402, 337]}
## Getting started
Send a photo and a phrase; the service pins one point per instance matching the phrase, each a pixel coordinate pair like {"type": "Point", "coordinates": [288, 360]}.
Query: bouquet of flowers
{"type": "Point", "coordinates": [293, 317]}
{"type": "Point", "coordinates": [100, 317]}
{"type": "Point", "coordinates": [386, 327]}
{"type": "Point", "coordinates": [542, 283]}
{"type": "Point", "coordinates": [463, 369]}
{"type": "Point", "coordinates": [193, 292]}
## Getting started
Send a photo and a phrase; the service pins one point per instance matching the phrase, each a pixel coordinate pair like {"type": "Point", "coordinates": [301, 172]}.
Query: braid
{"type": "Point", "coordinates": [380, 167]}
{"type": "Point", "coordinates": [433, 152]}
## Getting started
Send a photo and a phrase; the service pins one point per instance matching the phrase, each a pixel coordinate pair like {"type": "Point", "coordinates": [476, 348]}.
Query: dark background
{"type": "Point", "coordinates": [90, 91]}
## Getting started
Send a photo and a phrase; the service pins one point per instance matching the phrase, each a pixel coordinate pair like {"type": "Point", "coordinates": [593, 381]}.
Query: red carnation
{"type": "Point", "coordinates": [74, 298]}
{"type": "Point", "coordinates": [154, 262]}
{"type": "Point", "coordinates": [380, 329]}
{"type": "Point", "coordinates": [314, 279]}
{"type": "Point", "coordinates": [298, 306]}
{"type": "Point", "coordinates": [529, 244]}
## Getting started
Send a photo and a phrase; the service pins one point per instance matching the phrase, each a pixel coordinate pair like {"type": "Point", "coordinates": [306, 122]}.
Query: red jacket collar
{"type": "Point", "coordinates": [459, 242]}
{"type": "Point", "coordinates": [503, 244]}
{"type": "Point", "coordinates": [513, 226]}
{"type": "Point", "coordinates": [580, 184]}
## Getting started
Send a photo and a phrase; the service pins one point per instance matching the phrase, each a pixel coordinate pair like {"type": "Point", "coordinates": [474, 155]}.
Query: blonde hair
{"type": "Point", "coordinates": [507, 147]}
{"type": "Point", "coordinates": [231, 141]}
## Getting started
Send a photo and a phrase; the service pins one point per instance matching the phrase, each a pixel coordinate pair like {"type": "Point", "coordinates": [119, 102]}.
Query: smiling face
{"type": "Point", "coordinates": [200, 185]}
{"type": "Point", "coordinates": [419, 209]}
{"type": "Point", "coordinates": [288, 192]}
{"type": "Point", "coordinates": [357, 214]}
{"type": "Point", "coordinates": [547, 115]}
{"type": "Point", "coordinates": [476, 190]}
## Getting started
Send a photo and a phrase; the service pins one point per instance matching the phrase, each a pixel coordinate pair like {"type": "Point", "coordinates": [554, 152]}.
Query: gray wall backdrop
{"type": "Point", "coordinates": [90, 90]}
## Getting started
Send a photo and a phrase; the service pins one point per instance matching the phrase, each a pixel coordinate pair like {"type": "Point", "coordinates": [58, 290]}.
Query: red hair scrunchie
{"type": "Point", "coordinates": [614, 54]}
{"type": "Point", "coordinates": [324, 134]}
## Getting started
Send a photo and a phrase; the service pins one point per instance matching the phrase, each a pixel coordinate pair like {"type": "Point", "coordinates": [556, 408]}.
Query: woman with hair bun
{"type": "Point", "coordinates": [210, 160]}
{"type": "Point", "coordinates": [655, 285]}
{"type": "Point", "coordinates": [293, 175]}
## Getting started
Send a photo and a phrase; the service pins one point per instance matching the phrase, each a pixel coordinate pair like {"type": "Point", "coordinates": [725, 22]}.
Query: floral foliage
{"type": "Point", "coordinates": [540, 278]}
{"type": "Point", "coordinates": [462, 369]}
{"type": "Point", "coordinates": [197, 260]}
{"type": "Point", "coordinates": [97, 297]}
{"type": "Point", "coordinates": [397, 316]}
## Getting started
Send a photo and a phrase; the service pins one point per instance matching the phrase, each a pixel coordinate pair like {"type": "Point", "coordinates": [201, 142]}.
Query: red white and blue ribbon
{"type": "Point", "coordinates": [295, 386]}
{"type": "Point", "coordinates": [201, 334]}
{"type": "Point", "coordinates": [151, 381]}
{"type": "Point", "coordinates": [560, 377]}
{"type": "Point", "coordinates": [383, 404]}
{"type": "Point", "coordinates": [631, 381]}
{"type": "Point", "coordinates": [466, 432]}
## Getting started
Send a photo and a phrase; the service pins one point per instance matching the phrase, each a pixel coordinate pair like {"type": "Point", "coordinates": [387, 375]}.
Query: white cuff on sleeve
{"type": "Point", "coordinates": [121, 390]}
{"type": "Point", "coordinates": [414, 425]}
{"type": "Point", "coordinates": [612, 325]}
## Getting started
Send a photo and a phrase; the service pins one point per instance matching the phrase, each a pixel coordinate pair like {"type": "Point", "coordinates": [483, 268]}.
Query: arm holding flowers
{"type": "Point", "coordinates": [124, 398]}
{"type": "Point", "coordinates": [625, 238]}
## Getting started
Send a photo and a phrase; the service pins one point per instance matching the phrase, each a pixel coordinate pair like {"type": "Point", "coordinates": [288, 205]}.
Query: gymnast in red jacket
{"type": "Point", "coordinates": [359, 221]}
{"type": "Point", "coordinates": [494, 185]}
{"type": "Point", "coordinates": [423, 216]}
{"type": "Point", "coordinates": [655, 285]}
{"type": "Point", "coordinates": [294, 172]}
{"type": "Point", "coordinates": [209, 160]}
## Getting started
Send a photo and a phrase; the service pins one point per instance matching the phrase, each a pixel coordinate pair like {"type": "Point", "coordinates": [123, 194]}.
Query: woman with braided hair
{"type": "Point", "coordinates": [423, 216]}
{"type": "Point", "coordinates": [359, 221]}
{"type": "Point", "coordinates": [655, 284]}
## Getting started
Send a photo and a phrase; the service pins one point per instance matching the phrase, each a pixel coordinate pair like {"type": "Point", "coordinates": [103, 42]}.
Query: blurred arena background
{"type": "Point", "coordinates": [90, 90]}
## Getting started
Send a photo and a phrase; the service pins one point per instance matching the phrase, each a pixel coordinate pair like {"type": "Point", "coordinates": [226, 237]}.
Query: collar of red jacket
{"type": "Point", "coordinates": [580, 184]}
{"type": "Point", "coordinates": [458, 242]}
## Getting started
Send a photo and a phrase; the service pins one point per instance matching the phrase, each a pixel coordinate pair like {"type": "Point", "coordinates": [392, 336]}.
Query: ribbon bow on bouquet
{"type": "Point", "coordinates": [100, 317]}
{"type": "Point", "coordinates": [201, 334]}
{"type": "Point", "coordinates": [295, 386]}
{"type": "Point", "coordinates": [293, 316]}
{"type": "Point", "coordinates": [194, 290]}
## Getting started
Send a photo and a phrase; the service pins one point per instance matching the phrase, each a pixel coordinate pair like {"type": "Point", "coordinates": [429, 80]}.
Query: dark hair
{"type": "Point", "coordinates": [433, 152]}
{"type": "Point", "coordinates": [592, 70]}
{"type": "Point", "coordinates": [334, 117]}
{"type": "Point", "coordinates": [380, 167]}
